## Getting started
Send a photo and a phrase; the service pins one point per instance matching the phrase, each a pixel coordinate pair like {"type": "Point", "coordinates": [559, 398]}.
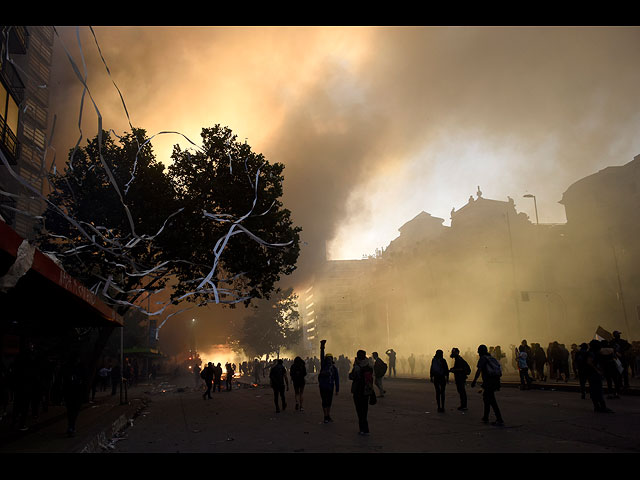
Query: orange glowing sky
{"type": "Point", "coordinates": [375, 124]}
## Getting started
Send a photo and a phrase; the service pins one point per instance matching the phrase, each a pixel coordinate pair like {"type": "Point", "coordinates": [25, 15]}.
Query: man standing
{"type": "Point", "coordinates": [217, 377]}
{"type": "Point", "coordinates": [207, 376]}
{"type": "Point", "coordinates": [278, 378]}
{"type": "Point", "coordinates": [594, 374]}
{"type": "Point", "coordinates": [461, 371]}
{"type": "Point", "coordinates": [491, 372]}
{"type": "Point", "coordinates": [379, 369]}
{"type": "Point", "coordinates": [439, 375]}
{"type": "Point", "coordinates": [622, 350]}
{"type": "Point", "coordinates": [362, 388]}
{"type": "Point", "coordinates": [392, 361]}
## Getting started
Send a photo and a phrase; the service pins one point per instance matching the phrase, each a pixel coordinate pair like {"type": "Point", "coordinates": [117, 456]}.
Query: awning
{"type": "Point", "coordinates": [35, 293]}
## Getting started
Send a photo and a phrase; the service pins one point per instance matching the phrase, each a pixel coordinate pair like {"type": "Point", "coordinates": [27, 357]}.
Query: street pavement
{"type": "Point", "coordinates": [170, 416]}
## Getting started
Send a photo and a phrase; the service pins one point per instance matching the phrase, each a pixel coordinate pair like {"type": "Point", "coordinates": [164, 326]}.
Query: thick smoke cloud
{"type": "Point", "coordinates": [376, 124]}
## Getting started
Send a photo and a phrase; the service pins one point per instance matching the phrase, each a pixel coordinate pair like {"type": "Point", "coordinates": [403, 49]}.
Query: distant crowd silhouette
{"type": "Point", "coordinates": [612, 362]}
{"type": "Point", "coordinates": [602, 369]}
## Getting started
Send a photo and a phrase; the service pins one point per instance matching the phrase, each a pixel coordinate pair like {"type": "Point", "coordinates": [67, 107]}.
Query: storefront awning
{"type": "Point", "coordinates": [35, 292]}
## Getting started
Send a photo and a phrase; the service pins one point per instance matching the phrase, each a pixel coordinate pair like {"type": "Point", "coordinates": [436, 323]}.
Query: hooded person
{"type": "Point", "coordinates": [362, 388]}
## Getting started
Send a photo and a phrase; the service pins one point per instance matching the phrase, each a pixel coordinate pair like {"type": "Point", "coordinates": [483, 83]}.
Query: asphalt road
{"type": "Point", "coordinates": [177, 419]}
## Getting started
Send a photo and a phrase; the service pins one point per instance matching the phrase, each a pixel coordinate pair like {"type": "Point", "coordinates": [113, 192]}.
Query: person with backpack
{"type": "Point", "coordinates": [461, 370]}
{"type": "Point", "coordinates": [362, 389]}
{"type": "Point", "coordinates": [298, 371]}
{"type": "Point", "coordinates": [439, 375]}
{"type": "Point", "coordinates": [207, 375]}
{"type": "Point", "coordinates": [491, 372]}
{"type": "Point", "coordinates": [523, 368]}
{"type": "Point", "coordinates": [379, 370]}
{"type": "Point", "coordinates": [328, 379]}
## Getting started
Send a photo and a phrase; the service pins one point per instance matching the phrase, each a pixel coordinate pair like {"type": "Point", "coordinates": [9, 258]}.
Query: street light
{"type": "Point", "coordinates": [535, 205]}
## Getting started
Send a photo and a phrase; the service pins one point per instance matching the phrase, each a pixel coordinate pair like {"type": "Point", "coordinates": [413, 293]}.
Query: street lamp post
{"type": "Point", "coordinates": [535, 204]}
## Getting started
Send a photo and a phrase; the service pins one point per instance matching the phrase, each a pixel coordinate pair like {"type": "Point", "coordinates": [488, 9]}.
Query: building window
{"type": "Point", "coordinates": [8, 121]}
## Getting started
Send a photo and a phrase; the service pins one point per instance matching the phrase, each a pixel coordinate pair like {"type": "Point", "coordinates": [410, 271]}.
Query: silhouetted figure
{"type": "Point", "coordinates": [491, 372]}
{"type": "Point", "coordinates": [278, 378]}
{"type": "Point", "coordinates": [23, 377]}
{"type": "Point", "coordinates": [298, 372]}
{"type": "Point", "coordinates": [229, 377]}
{"type": "Point", "coordinates": [217, 377]}
{"type": "Point", "coordinates": [256, 371]}
{"type": "Point", "coordinates": [412, 363]}
{"type": "Point", "coordinates": [594, 377]}
{"type": "Point", "coordinates": [328, 380]}
{"type": "Point", "coordinates": [392, 361]}
{"type": "Point", "coordinates": [74, 389]}
{"type": "Point", "coordinates": [197, 379]}
{"type": "Point", "coordinates": [379, 369]}
{"type": "Point", "coordinates": [461, 370]}
{"type": "Point", "coordinates": [623, 352]}
{"type": "Point", "coordinates": [207, 375]}
{"type": "Point", "coordinates": [523, 368]}
{"type": "Point", "coordinates": [539, 361]}
{"type": "Point", "coordinates": [439, 375]}
{"type": "Point", "coordinates": [580, 362]}
{"type": "Point", "coordinates": [610, 369]}
{"type": "Point", "coordinates": [362, 388]}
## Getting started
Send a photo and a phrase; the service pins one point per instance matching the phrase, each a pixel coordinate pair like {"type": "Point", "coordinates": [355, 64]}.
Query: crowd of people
{"type": "Point", "coordinates": [612, 362]}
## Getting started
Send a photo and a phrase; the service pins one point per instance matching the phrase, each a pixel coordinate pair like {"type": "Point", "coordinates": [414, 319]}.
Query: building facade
{"type": "Point", "coordinates": [24, 90]}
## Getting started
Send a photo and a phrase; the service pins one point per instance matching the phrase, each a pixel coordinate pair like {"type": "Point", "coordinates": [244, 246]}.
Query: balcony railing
{"type": "Point", "coordinates": [8, 142]}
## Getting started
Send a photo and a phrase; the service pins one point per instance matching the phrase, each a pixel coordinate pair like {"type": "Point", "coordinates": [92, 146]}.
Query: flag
{"type": "Point", "coordinates": [602, 334]}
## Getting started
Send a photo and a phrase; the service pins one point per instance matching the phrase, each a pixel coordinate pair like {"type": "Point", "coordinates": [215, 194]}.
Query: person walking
{"type": "Point", "coordinates": [379, 370]}
{"type": "Point", "coordinates": [491, 372]}
{"type": "Point", "coordinates": [461, 370]}
{"type": "Point", "coordinates": [392, 361]}
{"type": "Point", "coordinates": [523, 368]}
{"type": "Point", "coordinates": [298, 371]}
{"type": "Point", "coordinates": [217, 377]}
{"type": "Point", "coordinates": [75, 391]}
{"type": "Point", "coordinates": [278, 378]}
{"type": "Point", "coordinates": [580, 363]}
{"type": "Point", "coordinates": [594, 372]}
{"type": "Point", "coordinates": [229, 376]}
{"type": "Point", "coordinates": [439, 375]}
{"type": "Point", "coordinates": [207, 376]}
{"type": "Point", "coordinates": [362, 389]}
{"type": "Point", "coordinates": [412, 363]}
{"type": "Point", "coordinates": [328, 380]}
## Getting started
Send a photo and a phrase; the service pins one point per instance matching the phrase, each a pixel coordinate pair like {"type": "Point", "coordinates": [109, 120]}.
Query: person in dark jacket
{"type": "Point", "coordinates": [278, 378]}
{"type": "Point", "coordinates": [490, 385]}
{"type": "Point", "coordinates": [298, 371]}
{"type": "Point", "coordinates": [594, 372]}
{"type": "Point", "coordinates": [362, 388]}
{"type": "Point", "coordinates": [207, 376]}
{"type": "Point", "coordinates": [379, 369]}
{"type": "Point", "coordinates": [439, 375]}
{"type": "Point", "coordinates": [461, 371]}
{"type": "Point", "coordinates": [75, 390]}
{"type": "Point", "coordinates": [217, 377]}
{"type": "Point", "coordinates": [328, 380]}
{"type": "Point", "coordinates": [580, 363]}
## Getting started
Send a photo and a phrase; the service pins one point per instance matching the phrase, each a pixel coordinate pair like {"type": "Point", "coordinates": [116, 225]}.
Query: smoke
{"type": "Point", "coordinates": [375, 125]}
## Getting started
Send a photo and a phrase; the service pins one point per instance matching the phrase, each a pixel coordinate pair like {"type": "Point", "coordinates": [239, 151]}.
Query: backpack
{"type": "Point", "coordinates": [493, 367]}
{"type": "Point", "coordinates": [465, 365]}
{"type": "Point", "coordinates": [203, 374]}
{"type": "Point", "coordinates": [380, 368]}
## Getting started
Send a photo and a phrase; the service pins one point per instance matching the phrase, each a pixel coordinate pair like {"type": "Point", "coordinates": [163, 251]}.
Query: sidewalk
{"type": "Point", "coordinates": [101, 422]}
